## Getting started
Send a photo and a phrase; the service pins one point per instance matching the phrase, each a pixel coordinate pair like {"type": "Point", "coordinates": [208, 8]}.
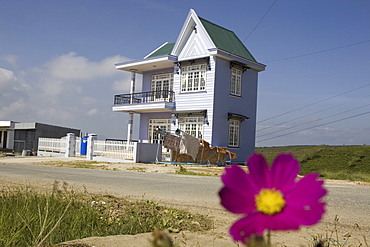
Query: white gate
{"type": "Point", "coordinates": [114, 149]}
{"type": "Point", "coordinates": [52, 146]}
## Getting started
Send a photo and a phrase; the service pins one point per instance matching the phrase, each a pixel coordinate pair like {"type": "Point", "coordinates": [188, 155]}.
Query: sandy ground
{"type": "Point", "coordinates": [217, 237]}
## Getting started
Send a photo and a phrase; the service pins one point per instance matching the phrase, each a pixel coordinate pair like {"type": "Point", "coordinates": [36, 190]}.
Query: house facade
{"type": "Point", "coordinates": [204, 84]}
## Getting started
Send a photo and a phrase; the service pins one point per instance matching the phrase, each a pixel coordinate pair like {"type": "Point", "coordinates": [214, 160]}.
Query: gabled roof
{"type": "Point", "coordinates": [226, 40]}
{"type": "Point", "coordinates": [198, 38]}
{"type": "Point", "coordinates": [222, 38]}
{"type": "Point", "coordinates": [165, 49]}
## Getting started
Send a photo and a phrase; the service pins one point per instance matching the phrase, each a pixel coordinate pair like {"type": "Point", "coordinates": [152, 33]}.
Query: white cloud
{"type": "Point", "coordinates": [70, 67]}
{"type": "Point", "coordinates": [6, 76]}
{"type": "Point", "coordinates": [8, 109]}
{"type": "Point", "coordinates": [70, 76]}
{"type": "Point", "coordinates": [63, 114]}
{"type": "Point", "coordinates": [87, 100]}
{"type": "Point", "coordinates": [92, 112]}
{"type": "Point", "coordinates": [11, 59]}
{"type": "Point", "coordinates": [63, 91]}
{"type": "Point", "coordinates": [13, 94]}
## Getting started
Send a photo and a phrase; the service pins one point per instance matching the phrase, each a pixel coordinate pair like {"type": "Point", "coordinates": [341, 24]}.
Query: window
{"type": "Point", "coordinates": [193, 78]}
{"type": "Point", "coordinates": [236, 81]}
{"type": "Point", "coordinates": [234, 131]}
{"type": "Point", "coordinates": [161, 85]}
{"type": "Point", "coordinates": [192, 126]}
{"type": "Point", "coordinates": [163, 124]}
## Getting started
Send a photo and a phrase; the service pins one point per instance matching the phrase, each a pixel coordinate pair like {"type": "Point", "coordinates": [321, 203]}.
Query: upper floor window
{"type": "Point", "coordinates": [236, 81]}
{"type": "Point", "coordinates": [162, 82]}
{"type": "Point", "coordinates": [193, 78]}
{"type": "Point", "coordinates": [161, 85]}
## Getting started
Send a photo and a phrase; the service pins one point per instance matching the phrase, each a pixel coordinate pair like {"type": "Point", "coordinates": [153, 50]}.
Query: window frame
{"type": "Point", "coordinates": [236, 81]}
{"type": "Point", "coordinates": [192, 125]}
{"type": "Point", "coordinates": [161, 84]}
{"type": "Point", "coordinates": [193, 78]}
{"type": "Point", "coordinates": [234, 133]}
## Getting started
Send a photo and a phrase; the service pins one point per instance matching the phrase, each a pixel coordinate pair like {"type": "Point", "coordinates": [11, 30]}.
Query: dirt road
{"type": "Point", "coordinates": [337, 203]}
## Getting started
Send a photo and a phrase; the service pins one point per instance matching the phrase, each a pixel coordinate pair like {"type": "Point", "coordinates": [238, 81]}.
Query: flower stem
{"type": "Point", "coordinates": [268, 237]}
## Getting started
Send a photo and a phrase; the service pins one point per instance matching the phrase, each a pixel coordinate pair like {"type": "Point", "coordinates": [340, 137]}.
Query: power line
{"type": "Point", "coordinates": [317, 52]}
{"type": "Point", "coordinates": [315, 103]}
{"type": "Point", "coordinates": [338, 120]}
{"type": "Point", "coordinates": [295, 126]}
{"type": "Point", "coordinates": [269, 127]}
{"type": "Point", "coordinates": [263, 17]}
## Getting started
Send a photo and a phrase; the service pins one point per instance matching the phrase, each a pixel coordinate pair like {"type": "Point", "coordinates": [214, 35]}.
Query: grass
{"type": "Point", "coordinates": [332, 162]}
{"type": "Point", "coordinates": [76, 164]}
{"type": "Point", "coordinates": [333, 237]}
{"type": "Point", "coordinates": [29, 218]}
{"type": "Point", "coordinates": [183, 171]}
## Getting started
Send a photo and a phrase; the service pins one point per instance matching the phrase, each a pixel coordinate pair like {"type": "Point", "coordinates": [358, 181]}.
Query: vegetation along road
{"type": "Point", "coordinates": [349, 201]}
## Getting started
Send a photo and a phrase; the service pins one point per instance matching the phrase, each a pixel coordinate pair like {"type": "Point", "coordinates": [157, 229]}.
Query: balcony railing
{"type": "Point", "coordinates": [144, 97]}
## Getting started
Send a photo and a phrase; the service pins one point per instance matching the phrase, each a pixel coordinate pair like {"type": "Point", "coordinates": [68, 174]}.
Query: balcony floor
{"type": "Point", "coordinates": [145, 107]}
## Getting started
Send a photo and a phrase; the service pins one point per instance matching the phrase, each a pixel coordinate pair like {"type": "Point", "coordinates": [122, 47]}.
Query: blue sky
{"type": "Point", "coordinates": [57, 62]}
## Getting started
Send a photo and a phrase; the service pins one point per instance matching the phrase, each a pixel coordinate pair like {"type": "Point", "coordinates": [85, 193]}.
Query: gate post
{"type": "Point", "coordinates": [71, 145]}
{"type": "Point", "coordinates": [90, 146]}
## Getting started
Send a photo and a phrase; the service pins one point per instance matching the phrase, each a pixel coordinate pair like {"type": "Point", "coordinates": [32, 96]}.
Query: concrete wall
{"type": "Point", "coordinates": [148, 153]}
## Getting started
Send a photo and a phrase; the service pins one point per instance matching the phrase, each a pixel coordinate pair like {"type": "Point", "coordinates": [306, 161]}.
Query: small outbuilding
{"type": "Point", "coordinates": [24, 136]}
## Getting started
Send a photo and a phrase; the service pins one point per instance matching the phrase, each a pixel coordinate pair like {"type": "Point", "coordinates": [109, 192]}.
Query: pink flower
{"type": "Point", "coordinates": [271, 197]}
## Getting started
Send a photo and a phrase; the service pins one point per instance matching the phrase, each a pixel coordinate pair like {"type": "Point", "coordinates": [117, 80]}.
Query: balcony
{"type": "Point", "coordinates": [153, 101]}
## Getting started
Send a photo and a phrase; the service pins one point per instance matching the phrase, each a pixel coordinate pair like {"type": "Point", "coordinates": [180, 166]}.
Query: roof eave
{"type": "Point", "coordinates": [151, 63]}
{"type": "Point", "coordinates": [233, 57]}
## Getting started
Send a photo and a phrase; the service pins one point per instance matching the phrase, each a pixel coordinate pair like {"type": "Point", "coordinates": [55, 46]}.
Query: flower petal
{"type": "Point", "coordinates": [247, 226]}
{"type": "Point", "coordinates": [291, 218]}
{"type": "Point", "coordinates": [306, 191]}
{"type": "Point", "coordinates": [284, 171]}
{"type": "Point", "coordinates": [238, 194]}
{"type": "Point", "coordinates": [237, 201]}
{"type": "Point", "coordinates": [235, 177]}
{"type": "Point", "coordinates": [258, 170]}
{"type": "Point", "coordinates": [282, 221]}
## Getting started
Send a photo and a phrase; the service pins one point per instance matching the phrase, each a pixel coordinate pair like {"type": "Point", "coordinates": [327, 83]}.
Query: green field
{"type": "Point", "coordinates": [332, 162]}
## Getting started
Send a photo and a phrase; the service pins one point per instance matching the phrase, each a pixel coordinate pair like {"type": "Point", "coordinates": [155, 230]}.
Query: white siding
{"type": "Point", "coordinates": [194, 47]}
{"type": "Point", "coordinates": [198, 100]}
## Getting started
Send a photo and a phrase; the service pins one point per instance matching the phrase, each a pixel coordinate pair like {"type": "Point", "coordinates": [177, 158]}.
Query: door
{"type": "Point", "coordinates": [154, 123]}
{"type": "Point", "coordinates": [5, 139]}
{"type": "Point", "coordinates": [161, 85]}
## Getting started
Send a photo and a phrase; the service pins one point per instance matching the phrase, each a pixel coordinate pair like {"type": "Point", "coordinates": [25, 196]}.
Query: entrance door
{"type": "Point", "coordinates": [155, 137]}
{"type": "Point", "coordinates": [154, 123]}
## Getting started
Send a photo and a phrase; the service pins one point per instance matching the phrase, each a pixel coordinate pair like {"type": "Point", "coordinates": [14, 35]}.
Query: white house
{"type": "Point", "coordinates": [204, 84]}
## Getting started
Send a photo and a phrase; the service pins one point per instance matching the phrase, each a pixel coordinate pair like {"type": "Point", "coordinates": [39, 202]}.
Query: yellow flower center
{"type": "Point", "coordinates": [270, 201]}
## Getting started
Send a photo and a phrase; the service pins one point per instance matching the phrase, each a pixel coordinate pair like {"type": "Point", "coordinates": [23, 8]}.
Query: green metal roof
{"type": "Point", "coordinates": [226, 40]}
{"type": "Point", "coordinates": [164, 50]}
{"type": "Point", "coordinates": [223, 39]}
